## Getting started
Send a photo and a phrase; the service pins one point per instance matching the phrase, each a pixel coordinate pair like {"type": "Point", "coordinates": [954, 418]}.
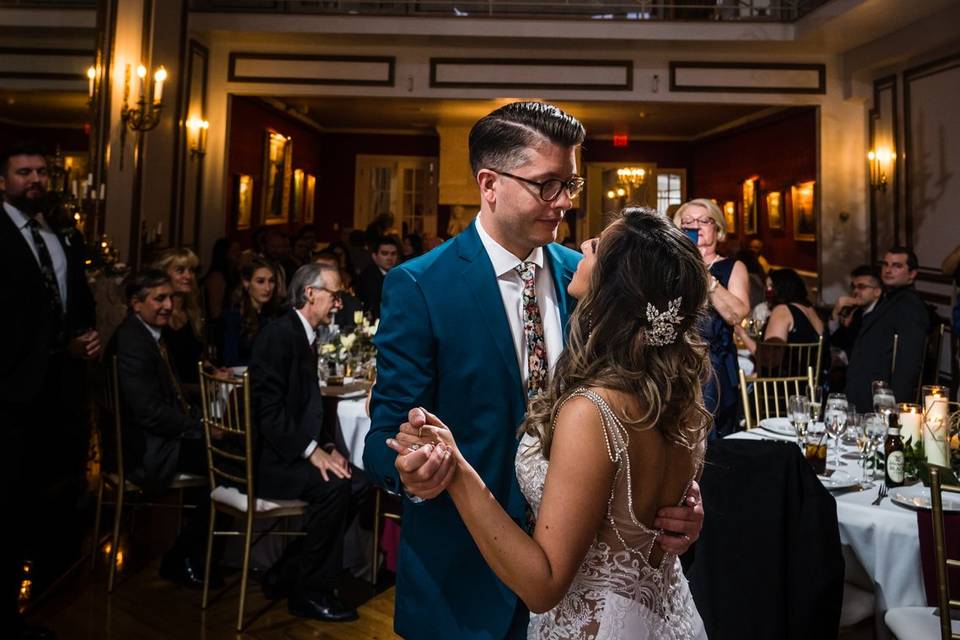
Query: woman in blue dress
{"type": "Point", "coordinates": [729, 305]}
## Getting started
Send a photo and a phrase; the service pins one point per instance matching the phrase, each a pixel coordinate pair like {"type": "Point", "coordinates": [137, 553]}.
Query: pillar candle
{"type": "Point", "coordinates": [935, 429]}
{"type": "Point", "coordinates": [910, 420]}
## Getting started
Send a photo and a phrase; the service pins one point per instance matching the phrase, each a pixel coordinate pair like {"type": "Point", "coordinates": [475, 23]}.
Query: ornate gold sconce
{"type": "Point", "coordinates": [197, 137]}
{"type": "Point", "coordinates": [881, 163]}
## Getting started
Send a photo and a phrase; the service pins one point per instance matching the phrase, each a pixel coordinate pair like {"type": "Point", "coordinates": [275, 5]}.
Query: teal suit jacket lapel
{"type": "Point", "coordinates": [479, 277]}
{"type": "Point", "coordinates": [562, 274]}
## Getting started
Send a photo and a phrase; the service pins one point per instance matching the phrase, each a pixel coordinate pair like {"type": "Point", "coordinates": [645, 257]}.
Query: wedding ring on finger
{"type": "Point", "coordinates": [413, 447]}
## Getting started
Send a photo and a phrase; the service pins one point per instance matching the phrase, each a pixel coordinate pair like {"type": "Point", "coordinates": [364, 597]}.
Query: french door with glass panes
{"type": "Point", "coordinates": [405, 186]}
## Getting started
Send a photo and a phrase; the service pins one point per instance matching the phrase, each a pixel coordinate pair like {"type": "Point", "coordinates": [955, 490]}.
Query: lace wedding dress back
{"type": "Point", "coordinates": [617, 592]}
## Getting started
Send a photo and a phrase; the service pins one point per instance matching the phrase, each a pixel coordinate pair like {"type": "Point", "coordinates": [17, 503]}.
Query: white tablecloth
{"type": "Point", "coordinates": [884, 540]}
{"type": "Point", "coordinates": [354, 425]}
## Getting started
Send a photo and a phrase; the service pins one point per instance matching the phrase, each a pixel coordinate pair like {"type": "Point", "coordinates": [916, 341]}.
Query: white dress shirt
{"type": "Point", "coordinates": [57, 255]}
{"type": "Point", "coordinates": [511, 291]}
{"type": "Point", "coordinates": [311, 336]}
{"type": "Point", "coordinates": [152, 330]}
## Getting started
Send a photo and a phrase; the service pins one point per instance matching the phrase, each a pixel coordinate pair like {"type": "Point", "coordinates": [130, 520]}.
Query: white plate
{"type": "Point", "coordinates": [918, 497]}
{"type": "Point", "coordinates": [839, 480]}
{"type": "Point", "coordinates": [779, 426]}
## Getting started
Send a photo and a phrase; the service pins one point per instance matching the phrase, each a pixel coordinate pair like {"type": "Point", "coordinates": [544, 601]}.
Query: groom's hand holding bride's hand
{"type": "Point", "coordinates": [681, 525]}
{"type": "Point", "coordinates": [425, 454]}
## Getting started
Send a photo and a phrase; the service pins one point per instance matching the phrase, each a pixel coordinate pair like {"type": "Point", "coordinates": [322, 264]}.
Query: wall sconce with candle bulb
{"type": "Point", "coordinates": [881, 162]}
{"type": "Point", "coordinates": [197, 137]}
{"type": "Point", "coordinates": [146, 115]}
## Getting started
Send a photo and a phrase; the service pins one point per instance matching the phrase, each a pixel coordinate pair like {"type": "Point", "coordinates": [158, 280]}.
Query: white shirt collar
{"type": "Point", "coordinates": [311, 332]}
{"type": "Point", "coordinates": [19, 218]}
{"type": "Point", "coordinates": [504, 261]}
{"type": "Point", "coordinates": [154, 332]}
{"type": "Point", "coordinates": [870, 307]}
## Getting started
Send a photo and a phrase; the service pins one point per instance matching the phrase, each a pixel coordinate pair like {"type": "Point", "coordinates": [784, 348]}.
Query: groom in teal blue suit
{"type": "Point", "coordinates": [451, 340]}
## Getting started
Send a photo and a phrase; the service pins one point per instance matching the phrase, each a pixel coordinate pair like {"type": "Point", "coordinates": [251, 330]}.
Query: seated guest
{"type": "Point", "coordinates": [161, 433]}
{"type": "Point", "coordinates": [793, 320]}
{"type": "Point", "coordinates": [385, 254]}
{"type": "Point", "coordinates": [218, 283]}
{"type": "Point", "coordinates": [849, 311]}
{"type": "Point", "coordinates": [257, 304]}
{"type": "Point", "coordinates": [412, 246]}
{"type": "Point", "coordinates": [900, 312]}
{"type": "Point", "coordinates": [295, 459]}
{"type": "Point", "coordinates": [342, 317]}
{"type": "Point", "coordinates": [184, 332]}
{"type": "Point", "coordinates": [756, 248]}
{"type": "Point", "coordinates": [348, 273]}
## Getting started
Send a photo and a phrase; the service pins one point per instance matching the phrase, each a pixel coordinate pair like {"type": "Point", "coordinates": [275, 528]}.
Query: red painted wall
{"type": "Point", "coordinates": [781, 150]}
{"type": "Point", "coordinates": [329, 156]}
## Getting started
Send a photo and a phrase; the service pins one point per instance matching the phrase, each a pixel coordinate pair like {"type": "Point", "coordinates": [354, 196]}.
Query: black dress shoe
{"type": "Point", "coordinates": [325, 606]}
{"type": "Point", "coordinates": [184, 571]}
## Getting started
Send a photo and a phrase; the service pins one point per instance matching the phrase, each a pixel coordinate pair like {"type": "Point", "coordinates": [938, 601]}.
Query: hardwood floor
{"type": "Point", "coordinates": [145, 607]}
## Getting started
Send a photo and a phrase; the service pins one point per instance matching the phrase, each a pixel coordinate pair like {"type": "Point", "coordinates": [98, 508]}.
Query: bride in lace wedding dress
{"type": "Point", "coordinates": [618, 434]}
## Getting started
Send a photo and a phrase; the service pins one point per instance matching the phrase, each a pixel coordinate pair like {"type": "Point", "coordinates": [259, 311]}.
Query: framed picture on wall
{"type": "Point", "coordinates": [277, 170]}
{"type": "Point", "coordinates": [730, 216]}
{"type": "Point", "coordinates": [775, 210]}
{"type": "Point", "coordinates": [802, 203]}
{"type": "Point", "coordinates": [748, 200]}
{"type": "Point", "coordinates": [243, 197]}
{"type": "Point", "coordinates": [296, 212]}
{"type": "Point", "coordinates": [309, 198]}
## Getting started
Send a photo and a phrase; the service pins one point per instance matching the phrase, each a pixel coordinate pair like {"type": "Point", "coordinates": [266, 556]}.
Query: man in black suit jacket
{"type": "Point", "coordinates": [161, 432]}
{"type": "Point", "coordinates": [849, 311]}
{"type": "Point", "coordinates": [385, 255]}
{"type": "Point", "coordinates": [47, 327]}
{"type": "Point", "coordinates": [295, 460]}
{"type": "Point", "coordinates": [901, 311]}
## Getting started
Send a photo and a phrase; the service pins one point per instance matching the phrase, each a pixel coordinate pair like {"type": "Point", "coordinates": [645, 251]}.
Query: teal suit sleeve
{"type": "Point", "coordinates": [406, 371]}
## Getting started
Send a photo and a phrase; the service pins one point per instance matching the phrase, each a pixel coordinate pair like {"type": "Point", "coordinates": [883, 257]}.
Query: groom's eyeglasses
{"type": "Point", "coordinates": [551, 189]}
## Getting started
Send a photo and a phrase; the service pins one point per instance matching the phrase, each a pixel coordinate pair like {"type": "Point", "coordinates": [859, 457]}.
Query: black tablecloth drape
{"type": "Point", "coordinates": [768, 562]}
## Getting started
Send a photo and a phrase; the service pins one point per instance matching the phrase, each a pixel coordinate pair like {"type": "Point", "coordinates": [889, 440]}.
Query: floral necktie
{"type": "Point", "coordinates": [177, 390]}
{"type": "Point", "coordinates": [533, 331]}
{"type": "Point", "coordinates": [48, 275]}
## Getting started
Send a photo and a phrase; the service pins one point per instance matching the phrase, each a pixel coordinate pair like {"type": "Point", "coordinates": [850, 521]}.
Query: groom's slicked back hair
{"type": "Point", "coordinates": [500, 139]}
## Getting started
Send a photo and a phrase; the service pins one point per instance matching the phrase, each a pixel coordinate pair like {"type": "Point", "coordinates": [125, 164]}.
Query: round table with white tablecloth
{"type": "Point", "coordinates": [883, 539]}
{"type": "Point", "coordinates": [354, 424]}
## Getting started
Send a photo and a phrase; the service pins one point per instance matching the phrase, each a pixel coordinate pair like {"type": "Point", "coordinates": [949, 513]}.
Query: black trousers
{"type": "Point", "coordinates": [192, 539]}
{"type": "Point", "coordinates": [311, 564]}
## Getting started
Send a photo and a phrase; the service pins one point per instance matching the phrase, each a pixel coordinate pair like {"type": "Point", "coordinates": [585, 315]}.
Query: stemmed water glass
{"type": "Point", "coordinates": [835, 421]}
{"type": "Point", "coordinates": [876, 429]}
{"type": "Point", "coordinates": [884, 402]}
{"type": "Point", "coordinates": [864, 447]}
{"type": "Point", "coordinates": [816, 403]}
{"type": "Point", "coordinates": [799, 408]}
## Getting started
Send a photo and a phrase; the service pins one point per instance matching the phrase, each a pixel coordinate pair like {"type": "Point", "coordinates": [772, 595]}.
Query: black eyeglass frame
{"type": "Point", "coordinates": [572, 185]}
{"type": "Point", "coordinates": [336, 295]}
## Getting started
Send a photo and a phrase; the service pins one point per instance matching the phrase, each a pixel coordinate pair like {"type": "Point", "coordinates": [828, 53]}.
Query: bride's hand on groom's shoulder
{"type": "Point", "coordinates": [426, 454]}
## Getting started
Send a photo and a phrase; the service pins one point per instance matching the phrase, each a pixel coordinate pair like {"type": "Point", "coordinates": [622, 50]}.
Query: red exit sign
{"type": "Point", "coordinates": [620, 140]}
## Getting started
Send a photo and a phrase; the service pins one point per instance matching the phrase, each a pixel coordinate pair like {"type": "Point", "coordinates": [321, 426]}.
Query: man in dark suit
{"type": "Point", "coordinates": [385, 255]}
{"type": "Point", "coordinates": [295, 459]}
{"type": "Point", "coordinates": [47, 328]}
{"type": "Point", "coordinates": [900, 312]}
{"type": "Point", "coordinates": [849, 311]}
{"type": "Point", "coordinates": [161, 432]}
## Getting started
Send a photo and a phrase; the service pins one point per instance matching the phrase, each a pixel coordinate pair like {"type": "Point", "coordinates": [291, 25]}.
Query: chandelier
{"type": "Point", "coordinates": [632, 176]}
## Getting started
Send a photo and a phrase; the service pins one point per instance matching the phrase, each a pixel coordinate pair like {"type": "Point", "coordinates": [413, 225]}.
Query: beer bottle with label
{"type": "Point", "coordinates": [893, 453]}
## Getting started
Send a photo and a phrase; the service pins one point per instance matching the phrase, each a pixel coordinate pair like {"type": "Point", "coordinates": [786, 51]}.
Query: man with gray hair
{"type": "Point", "coordinates": [295, 459]}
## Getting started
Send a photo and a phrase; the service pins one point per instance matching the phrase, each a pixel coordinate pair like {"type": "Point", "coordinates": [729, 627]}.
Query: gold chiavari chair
{"type": "Point", "coordinates": [115, 480]}
{"type": "Point", "coordinates": [782, 360]}
{"type": "Point", "coordinates": [379, 513]}
{"type": "Point", "coordinates": [922, 623]}
{"type": "Point", "coordinates": [768, 397]}
{"type": "Point", "coordinates": [229, 439]}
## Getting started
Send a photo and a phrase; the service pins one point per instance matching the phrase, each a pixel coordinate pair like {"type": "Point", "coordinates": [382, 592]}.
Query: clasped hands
{"type": "Point", "coordinates": [428, 457]}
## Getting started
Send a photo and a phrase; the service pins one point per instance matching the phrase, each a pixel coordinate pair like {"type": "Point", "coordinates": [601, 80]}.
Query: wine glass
{"type": "Point", "coordinates": [835, 421]}
{"type": "Point", "coordinates": [864, 447]}
{"type": "Point", "coordinates": [876, 429]}
{"type": "Point", "coordinates": [816, 403]}
{"type": "Point", "coordinates": [884, 401]}
{"type": "Point", "coordinates": [799, 408]}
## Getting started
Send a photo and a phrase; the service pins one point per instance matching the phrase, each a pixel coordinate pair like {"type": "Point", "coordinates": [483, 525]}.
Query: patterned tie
{"type": "Point", "coordinates": [533, 331]}
{"type": "Point", "coordinates": [48, 275]}
{"type": "Point", "coordinates": [177, 391]}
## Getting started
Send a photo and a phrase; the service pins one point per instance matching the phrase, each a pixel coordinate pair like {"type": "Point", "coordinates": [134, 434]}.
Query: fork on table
{"type": "Point", "coordinates": [881, 493]}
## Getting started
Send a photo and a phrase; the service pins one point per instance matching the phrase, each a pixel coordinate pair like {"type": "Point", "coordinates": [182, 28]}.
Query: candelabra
{"type": "Point", "coordinates": [146, 115]}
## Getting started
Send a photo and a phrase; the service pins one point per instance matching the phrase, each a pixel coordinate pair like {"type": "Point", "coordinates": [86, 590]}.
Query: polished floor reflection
{"type": "Point", "coordinates": [144, 606]}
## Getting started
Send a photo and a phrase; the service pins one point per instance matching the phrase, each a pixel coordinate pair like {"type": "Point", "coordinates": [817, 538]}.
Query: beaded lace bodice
{"type": "Point", "coordinates": [616, 593]}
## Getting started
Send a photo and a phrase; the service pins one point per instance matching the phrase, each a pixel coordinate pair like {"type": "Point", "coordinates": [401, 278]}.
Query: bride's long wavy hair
{"type": "Point", "coordinates": [641, 258]}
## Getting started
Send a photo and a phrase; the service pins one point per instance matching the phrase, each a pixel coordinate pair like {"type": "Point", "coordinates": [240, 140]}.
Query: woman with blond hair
{"type": "Point", "coordinates": [184, 335]}
{"type": "Point", "coordinates": [729, 304]}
